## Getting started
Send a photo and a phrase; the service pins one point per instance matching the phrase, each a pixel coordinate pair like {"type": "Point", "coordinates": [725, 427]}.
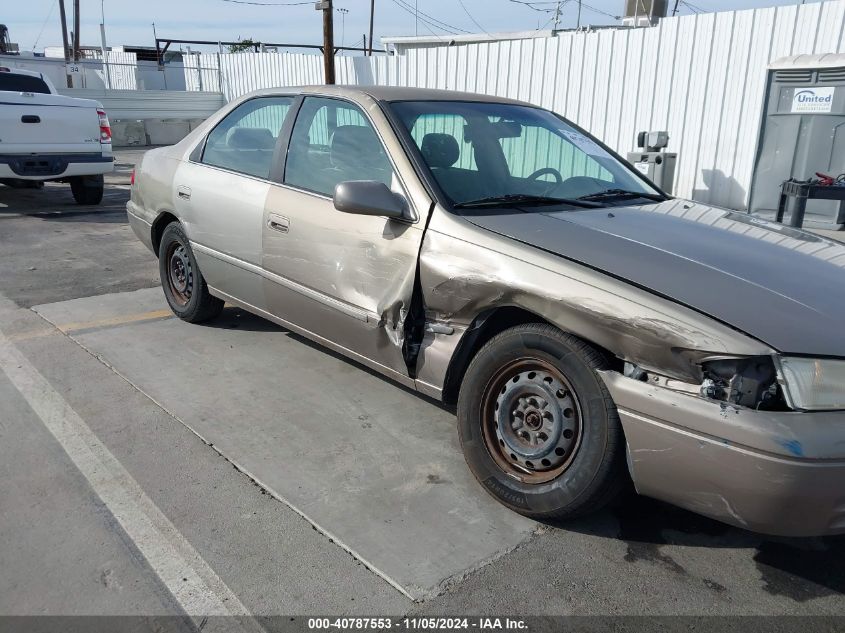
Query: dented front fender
{"type": "Point", "coordinates": [466, 271]}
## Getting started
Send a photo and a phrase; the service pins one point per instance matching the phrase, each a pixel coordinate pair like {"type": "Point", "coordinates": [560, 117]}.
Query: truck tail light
{"type": "Point", "coordinates": [132, 178]}
{"type": "Point", "coordinates": [105, 127]}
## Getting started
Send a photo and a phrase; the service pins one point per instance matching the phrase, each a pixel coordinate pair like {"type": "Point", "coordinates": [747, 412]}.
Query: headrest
{"type": "Point", "coordinates": [355, 144]}
{"type": "Point", "coordinates": [250, 138]}
{"type": "Point", "coordinates": [440, 150]}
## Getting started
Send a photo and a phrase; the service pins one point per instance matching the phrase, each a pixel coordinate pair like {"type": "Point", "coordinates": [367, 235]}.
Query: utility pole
{"type": "Point", "coordinates": [328, 39]}
{"type": "Point", "coordinates": [579, 14]}
{"type": "Point", "coordinates": [104, 49]}
{"type": "Point", "coordinates": [63, 18]}
{"type": "Point", "coordinates": [372, 11]}
{"type": "Point", "coordinates": [76, 30]}
{"type": "Point", "coordinates": [675, 8]}
{"type": "Point", "coordinates": [557, 14]}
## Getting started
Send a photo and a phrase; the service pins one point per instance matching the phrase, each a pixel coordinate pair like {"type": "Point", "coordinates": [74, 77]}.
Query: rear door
{"type": "Point", "coordinates": [220, 196]}
{"type": "Point", "coordinates": [346, 278]}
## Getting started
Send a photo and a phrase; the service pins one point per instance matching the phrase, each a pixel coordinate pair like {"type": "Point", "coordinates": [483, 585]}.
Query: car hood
{"type": "Point", "coordinates": [783, 286]}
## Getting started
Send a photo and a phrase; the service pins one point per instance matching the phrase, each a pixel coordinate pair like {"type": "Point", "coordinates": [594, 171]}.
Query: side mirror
{"type": "Point", "coordinates": [369, 197]}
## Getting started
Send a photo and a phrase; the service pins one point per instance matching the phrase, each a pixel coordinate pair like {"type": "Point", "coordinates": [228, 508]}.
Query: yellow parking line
{"type": "Point", "coordinates": [70, 328]}
{"type": "Point", "coordinates": [25, 336]}
{"type": "Point", "coordinates": [114, 321]}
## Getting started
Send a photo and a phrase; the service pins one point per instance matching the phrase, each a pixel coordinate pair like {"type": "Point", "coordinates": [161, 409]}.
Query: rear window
{"type": "Point", "coordinates": [22, 83]}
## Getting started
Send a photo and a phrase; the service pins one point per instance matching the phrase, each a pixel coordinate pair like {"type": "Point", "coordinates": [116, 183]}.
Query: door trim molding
{"type": "Point", "coordinates": [370, 318]}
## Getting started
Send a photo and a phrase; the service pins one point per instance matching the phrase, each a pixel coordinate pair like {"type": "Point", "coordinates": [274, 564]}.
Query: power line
{"type": "Point", "coordinates": [469, 15]}
{"type": "Point", "coordinates": [47, 19]}
{"type": "Point", "coordinates": [594, 10]}
{"type": "Point", "coordinates": [430, 18]}
{"type": "Point", "coordinates": [531, 5]}
{"type": "Point", "coordinates": [692, 7]}
{"type": "Point", "coordinates": [269, 4]}
{"type": "Point", "coordinates": [425, 22]}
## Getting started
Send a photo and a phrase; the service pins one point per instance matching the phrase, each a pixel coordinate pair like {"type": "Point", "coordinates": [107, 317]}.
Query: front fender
{"type": "Point", "coordinates": [465, 271]}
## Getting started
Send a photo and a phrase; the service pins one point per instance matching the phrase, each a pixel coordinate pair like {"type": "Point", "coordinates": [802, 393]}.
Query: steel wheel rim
{"type": "Point", "coordinates": [531, 420]}
{"type": "Point", "coordinates": [180, 273]}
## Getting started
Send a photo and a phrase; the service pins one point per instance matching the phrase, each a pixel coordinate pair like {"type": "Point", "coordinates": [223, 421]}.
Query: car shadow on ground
{"type": "Point", "coordinates": [236, 318]}
{"type": "Point", "coordinates": [799, 568]}
{"type": "Point", "coordinates": [54, 200]}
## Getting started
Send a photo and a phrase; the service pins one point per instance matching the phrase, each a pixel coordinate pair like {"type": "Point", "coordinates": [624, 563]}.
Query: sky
{"type": "Point", "coordinates": [34, 24]}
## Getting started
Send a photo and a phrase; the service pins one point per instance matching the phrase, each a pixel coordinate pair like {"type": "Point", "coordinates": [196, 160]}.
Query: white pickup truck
{"type": "Point", "coordinates": [45, 136]}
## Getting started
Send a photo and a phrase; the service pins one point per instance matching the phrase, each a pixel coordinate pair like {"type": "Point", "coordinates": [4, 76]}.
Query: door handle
{"type": "Point", "coordinates": [30, 118]}
{"type": "Point", "coordinates": [278, 223]}
{"type": "Point", "coordinates": [183, 192]}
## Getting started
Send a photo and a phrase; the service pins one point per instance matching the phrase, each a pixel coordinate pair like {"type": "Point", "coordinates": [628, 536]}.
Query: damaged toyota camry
{"type": "Point", "coordinates": [590, 329]}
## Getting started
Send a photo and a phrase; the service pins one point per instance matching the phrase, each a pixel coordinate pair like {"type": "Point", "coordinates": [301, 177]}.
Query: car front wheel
{"type": "Point", "coordinates": [184, 286]}
{"type": "Point", "coordinates": [537, 425]}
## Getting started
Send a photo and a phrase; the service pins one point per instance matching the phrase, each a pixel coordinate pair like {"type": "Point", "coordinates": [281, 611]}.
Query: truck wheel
{"type": "Point", "coordinates": [184, 287]}
{"type": "Point", "coordinates": [537, 425]}
{"type": "Point", "coordinates": [87, 189]}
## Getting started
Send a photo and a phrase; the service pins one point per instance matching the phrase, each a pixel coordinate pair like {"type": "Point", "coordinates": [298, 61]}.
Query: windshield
{"type": "Point", "coordinates": [483, 152]}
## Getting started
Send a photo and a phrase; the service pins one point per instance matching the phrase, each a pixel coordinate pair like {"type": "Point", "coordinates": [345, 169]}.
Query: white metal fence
{"type": "Point", "coordinates": [701, 77]}
{"type": "Point", "coordinates": [121, 71]}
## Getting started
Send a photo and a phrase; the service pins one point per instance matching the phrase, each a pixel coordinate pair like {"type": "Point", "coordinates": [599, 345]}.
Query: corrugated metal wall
{"type": "Point", "coordinates": [701, 77]}
{"type": "Point", "coordinates": [151, 104]}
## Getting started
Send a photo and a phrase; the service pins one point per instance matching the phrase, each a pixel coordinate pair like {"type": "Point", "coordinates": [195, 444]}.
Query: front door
{"type": "Point", "coordinates": [345, 278]}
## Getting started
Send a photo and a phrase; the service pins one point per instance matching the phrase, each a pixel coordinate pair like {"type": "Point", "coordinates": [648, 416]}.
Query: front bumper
{"type": "Point", "coordinates": [772, 472]}
{"type": "Point", "coordinates": [54, 166]}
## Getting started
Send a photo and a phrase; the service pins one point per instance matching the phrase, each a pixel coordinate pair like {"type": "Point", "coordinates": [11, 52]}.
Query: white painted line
{"type": "Point", "coordinates": [193, 584]}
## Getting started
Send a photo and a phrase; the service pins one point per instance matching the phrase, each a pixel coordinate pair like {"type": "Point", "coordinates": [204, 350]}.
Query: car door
{"type": "Point", "coordinates": [348, 279]}
{"type": "Point", "coordinates": [221, 194]}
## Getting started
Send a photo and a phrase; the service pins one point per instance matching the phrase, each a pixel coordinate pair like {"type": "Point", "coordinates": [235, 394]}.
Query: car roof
{"type": "Point", "coordinates": [20, 71]}
{"type": "Point", "coordinates": [390, 93]}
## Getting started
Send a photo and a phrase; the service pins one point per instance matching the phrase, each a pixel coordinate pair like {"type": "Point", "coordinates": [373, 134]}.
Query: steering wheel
{"type": "Point", "coordinates": [547, 170]}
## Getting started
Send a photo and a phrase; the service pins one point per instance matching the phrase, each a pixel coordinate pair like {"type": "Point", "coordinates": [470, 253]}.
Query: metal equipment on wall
{"type": "Point", "coordinates": [655, 164]}
{"type": "Point", "coordinates": [802, 133]}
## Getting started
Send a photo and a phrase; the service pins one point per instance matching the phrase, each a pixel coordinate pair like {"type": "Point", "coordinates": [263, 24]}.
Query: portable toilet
{"type": "Point", "coordinates": [802, 133]}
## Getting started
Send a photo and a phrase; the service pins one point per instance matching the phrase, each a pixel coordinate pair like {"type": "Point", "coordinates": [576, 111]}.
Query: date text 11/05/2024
{"type": "Point", "coordinates": [418, 624]}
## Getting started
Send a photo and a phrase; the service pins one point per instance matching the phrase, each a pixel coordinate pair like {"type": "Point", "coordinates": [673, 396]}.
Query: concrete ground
{"type": "Point", "coordinates": [152, 467]}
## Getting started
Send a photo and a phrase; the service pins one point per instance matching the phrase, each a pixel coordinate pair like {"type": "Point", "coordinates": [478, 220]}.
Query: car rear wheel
{"type": "Point", "coordinates": [537, 425]}
{"type": "Point", "coordinates": [87, 189]}
{"type": "Point", "coordinates": [184, 286]}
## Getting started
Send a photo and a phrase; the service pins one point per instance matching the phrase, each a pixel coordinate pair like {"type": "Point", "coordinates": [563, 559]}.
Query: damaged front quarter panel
{"type": "Point", "coordinates": [466, 273]}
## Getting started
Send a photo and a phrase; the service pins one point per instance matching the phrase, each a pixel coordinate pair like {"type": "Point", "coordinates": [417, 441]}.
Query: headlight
{"type": "Point", "coordinates": [814, 383]}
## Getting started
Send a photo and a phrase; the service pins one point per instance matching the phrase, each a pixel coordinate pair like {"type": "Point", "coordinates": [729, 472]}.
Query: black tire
{"type": "Point", "coordinates": [87, 189]}
{"type": "Point", "coordinates": [580, 472]}
{"type": "Point", "coordinates": [184, 286]}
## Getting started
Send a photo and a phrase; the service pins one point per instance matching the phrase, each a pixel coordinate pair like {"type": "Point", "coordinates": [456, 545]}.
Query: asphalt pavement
{"type": "Point", "coordinates": [151, 467]}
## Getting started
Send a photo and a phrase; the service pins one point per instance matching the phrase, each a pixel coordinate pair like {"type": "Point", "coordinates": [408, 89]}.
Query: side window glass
{"type": "Point", "coordinates": [332, 142]}
{"type": "Point", "coordinates": [244, 141]}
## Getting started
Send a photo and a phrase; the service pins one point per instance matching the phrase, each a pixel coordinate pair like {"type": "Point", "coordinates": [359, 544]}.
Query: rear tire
{"type": "Point", "coordinates": [87, 189]}
{"type": "Point", "coordinates": [537, 425]}
{"type": "Point", "coordinates": [184, 286]}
